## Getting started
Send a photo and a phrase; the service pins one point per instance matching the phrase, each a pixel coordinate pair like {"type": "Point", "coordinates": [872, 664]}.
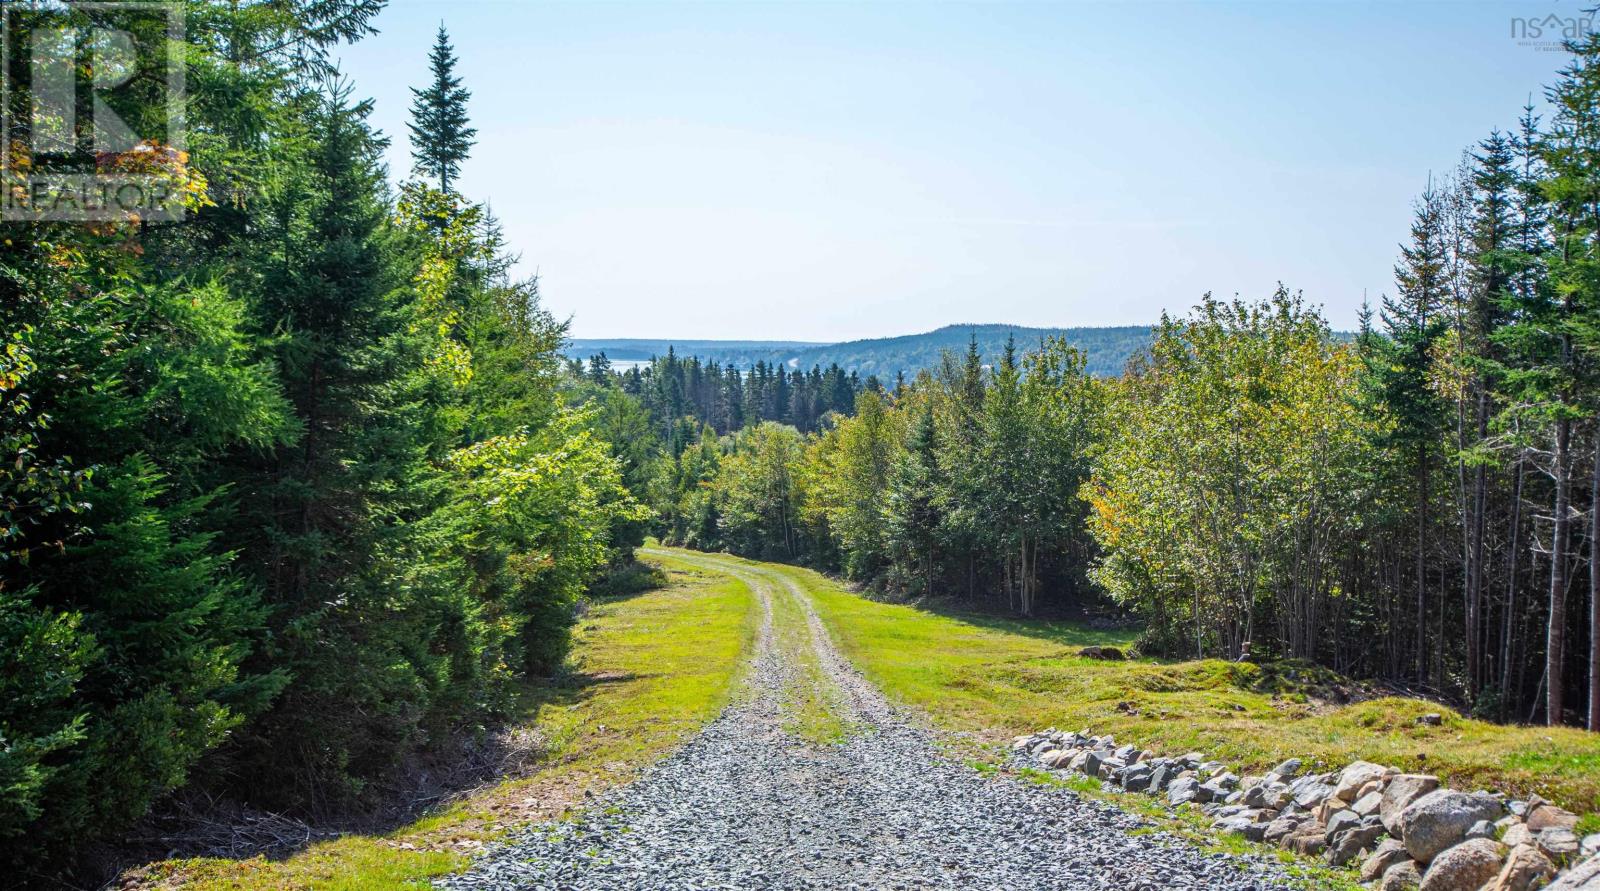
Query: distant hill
{"type": "Point", "coordinates": [1107, 349]}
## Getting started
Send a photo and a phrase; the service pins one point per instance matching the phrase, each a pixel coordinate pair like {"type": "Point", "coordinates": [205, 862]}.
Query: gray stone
{"type": "Point", "coordinates": [1560, 845]}
{"type": "Point", "coordinates": [1401, 791]}
{"type": "Point", "coordinates": [1464, 867]}
{"type": "Point", "coordinates": [1482, 829]}
{"type": "Point", "coordinates": [1389, 852]}
{"type": "Point", "coordinates": [1525, 869]}
{"type": "Point", "coordinates": [1244, 823]}
{"type": "Point", "coordinates": [1583, 877]}
{"type": "Point", "coordinates": [1161, 778]}
{"type": "Point", "coordinates": [1346, 846]}
{"type": "Point", "coordinates": [1546, 815]}
{"type": "Point", "coordinates": [1516, 834]}
{"type": "Point", "coordinates": [1183, 790]}
{"type": "Point", "coordinates": [1368, 804]}
{"type": "Point", "coordinates": [1283, 826]}
{"type": "Point", "coordinates": [1287, 770]}
{"type": "Point", "coordinates": [1402, 876]}
{"type": "Point", "coordinates": [1354, 777]}
{"type": "Point", "coordinates": [1440, 820]}
{"type": "Point", "coordinates": [1339, 821]}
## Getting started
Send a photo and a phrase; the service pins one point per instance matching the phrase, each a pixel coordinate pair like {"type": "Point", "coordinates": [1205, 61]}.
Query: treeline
{"type": "Point", "coordinates": [1419, 504]}
{"type": "Point", "coordinates": [289, 489]}
{"type": "Point", "coordinates": [722, 397]}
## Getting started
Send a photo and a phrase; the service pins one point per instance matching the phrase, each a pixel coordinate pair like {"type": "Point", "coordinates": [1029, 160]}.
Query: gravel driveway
{"type": "Point", "coordinates": [746, 805]}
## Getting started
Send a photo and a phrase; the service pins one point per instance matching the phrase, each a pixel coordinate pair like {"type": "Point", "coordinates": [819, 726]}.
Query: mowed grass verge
{"type": "Point", "coordinates": [999, 678]}
{"type": "Point", "coordinates": [647, 672]}
{"type": "Point", "coordinates": [813, 705]}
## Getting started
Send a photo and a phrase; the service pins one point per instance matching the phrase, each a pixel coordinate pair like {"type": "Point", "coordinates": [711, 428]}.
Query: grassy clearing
{"type": "Point", "coordinates": [647, 671]}
{"type": "Point", "coordinates": [1000, 679]}
{"type": "Point", "coordinates": [812, 704]}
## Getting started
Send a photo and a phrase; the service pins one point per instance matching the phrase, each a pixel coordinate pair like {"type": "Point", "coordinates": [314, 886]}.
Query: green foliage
{"type": "Point", "coordinates": [440, 134]}
{"type": "Point", "coordinates": [1229, 477]}
{"type": "Point", "coordinates": [272, 523]}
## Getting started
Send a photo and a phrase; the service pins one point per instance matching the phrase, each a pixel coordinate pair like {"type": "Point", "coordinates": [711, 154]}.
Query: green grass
{"type": "Point", "coordinates": [1001, 678]}
{"type": "Point", "coordinates": [812, 704]}
{"type": "Point", "coordinates": [647, 671]}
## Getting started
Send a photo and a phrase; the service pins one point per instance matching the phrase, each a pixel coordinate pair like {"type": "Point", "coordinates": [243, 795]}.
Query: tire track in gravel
{"type": "Point", "coordinates": [747, 804]}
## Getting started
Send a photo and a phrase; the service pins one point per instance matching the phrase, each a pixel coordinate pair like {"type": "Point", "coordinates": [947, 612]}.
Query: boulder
{"type": "Point", "coordinates": [1308, 839]}
{"type": "Point", "coordinates": [1245, 824]}
{"type": "Point", "coordinates": [1310, 792]}
{"type": "Point", "coordinates": [1287, 770]}
{"type": "Point", "coordinates": [1464, 867]}
{"type": "Point", "coordinates": [1161, 777]}
{"type": "Point", "coordinates": [1482, 829]}
{"type": "Point", "coordinates": [1402, 876]}
{"type": "Point", "coordinates": [1136, 778]}
{"type": "Point", "coordinates": [1583, 877]}
{"type": "Point", "coordinates": [1058, 758]}
{"type": "Point", "coordinates": [1546, 815]}
{"type": "Point", "coordinates": [1341, 820]}
{"type": "Point", "coordinates": [1560, 845]}
{"type": "Point", "coordinates": [1389, 852]}
{"type": "Point", "coordinates": [1590, 845]}
{"type": "Point", "coordinates": [1282, 827]}
{"type": "Point", "coordinates": [1525, 869]}
{"type": "Point", "coordinates": [1368, 804]}
{"type": "Point", "coordinates": [1184, 790]}
{"type": "Point", "coordinates": [1091, 763]}
{"type": "Point", "coordinates": [1400, 792]}
{"type": "Point", "coordinates": [1354, 777]}
{"type": "Point", "coordinates": [1345, 846]}
{"type": "Point", "coordinates": [1440, 820]}
{"type": "Point", "coordinates": [1516, 834]}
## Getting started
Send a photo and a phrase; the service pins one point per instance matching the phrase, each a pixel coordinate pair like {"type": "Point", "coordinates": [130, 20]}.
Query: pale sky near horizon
{"type": "Point", "coordinates": [834, 171]}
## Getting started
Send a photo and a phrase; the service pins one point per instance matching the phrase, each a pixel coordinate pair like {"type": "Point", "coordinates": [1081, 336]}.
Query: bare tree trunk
{"type": "Point", "coordinates": [1556, 632]}
{"type": "Point", "coordinates": [1509, 626]}
{"type": "Point", "coordinates": [1594, 590]}
{"type": "Point", "coordinates": [1422, 602]}
{"type": "Point", "coordinates": [1480, 508]}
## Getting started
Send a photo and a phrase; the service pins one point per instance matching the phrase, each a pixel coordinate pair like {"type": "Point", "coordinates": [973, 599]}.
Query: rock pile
{"type": "Point", "coordinates": [1401, 830]}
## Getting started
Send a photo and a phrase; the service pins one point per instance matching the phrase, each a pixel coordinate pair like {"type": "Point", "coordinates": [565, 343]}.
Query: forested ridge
{"type": "Point", "coordinates": [1415, 503]}
{"type": "Point", "coordinates": [290, 489]}
{"type": "Point", "coordinates": [1106, 350]}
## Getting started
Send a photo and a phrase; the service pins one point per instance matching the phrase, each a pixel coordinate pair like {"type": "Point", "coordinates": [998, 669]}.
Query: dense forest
{"type": "Point", "coordinates": [1418, 503]}
{"type": "Point", "coordinates": [290, 489]}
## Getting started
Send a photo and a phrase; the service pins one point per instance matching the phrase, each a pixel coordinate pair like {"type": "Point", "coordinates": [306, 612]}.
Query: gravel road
{"type": "Point", "coordinates": [746, 805]}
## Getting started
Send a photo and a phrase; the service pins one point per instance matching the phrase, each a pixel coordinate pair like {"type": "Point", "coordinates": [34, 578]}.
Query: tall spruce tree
{"type": "Point", "coordinates": [441, 138]}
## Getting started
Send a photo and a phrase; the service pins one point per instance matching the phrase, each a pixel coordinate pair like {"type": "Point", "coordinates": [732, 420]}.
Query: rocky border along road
{"type": "Point", "coordinates": [1404, 830]}
{"type": "Point", "coordinates": [746, 805]}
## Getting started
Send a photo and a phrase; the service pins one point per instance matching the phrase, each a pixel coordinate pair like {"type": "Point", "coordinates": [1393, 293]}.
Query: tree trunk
{"type": "Point", "coordinates": [1480, 508]}
{"type": "Point", "coordinates": [1421, 577]}
{"type": "Point", "coordinates": [1556, 632]}
{"type": "Point", "coordinates": [1594, 590]}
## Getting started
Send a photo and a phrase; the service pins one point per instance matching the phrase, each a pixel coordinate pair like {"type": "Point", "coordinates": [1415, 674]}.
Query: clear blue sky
{"type": "Point", "coordinates": [829, 171]}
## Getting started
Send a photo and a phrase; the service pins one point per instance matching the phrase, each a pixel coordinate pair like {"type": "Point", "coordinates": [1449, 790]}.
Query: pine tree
{"type": "Point", "coordinates": [440, 136]}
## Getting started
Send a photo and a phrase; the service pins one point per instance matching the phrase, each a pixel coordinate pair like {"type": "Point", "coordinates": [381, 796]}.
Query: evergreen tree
{"type": "Point", "coordinates": [441, 138]}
